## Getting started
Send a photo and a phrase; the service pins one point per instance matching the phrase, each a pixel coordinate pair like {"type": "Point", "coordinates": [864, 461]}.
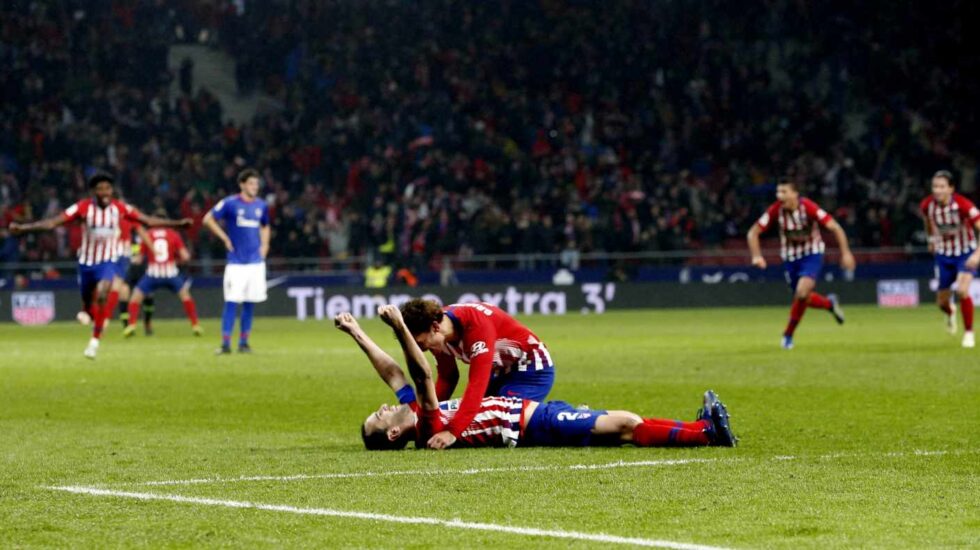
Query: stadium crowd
{"type": "Point", "coordinates": [421, 129]}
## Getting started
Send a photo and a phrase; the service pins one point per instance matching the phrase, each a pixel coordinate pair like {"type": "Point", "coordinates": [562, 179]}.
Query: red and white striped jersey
{"type": "Point", "coordinates": [496, 424]}
{"type": "Point", "coordinates": [952, 224]}
{"type": "Point", "coordinates": [101, 235]}
{"type": "Point", "coordinates": [799, 229]}
{"type": "Point", "coordinates": [161, 253]}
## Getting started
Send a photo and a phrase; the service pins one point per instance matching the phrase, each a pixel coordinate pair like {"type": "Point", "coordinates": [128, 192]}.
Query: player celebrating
{"type": "Point", "coordinates": [951, 220]}
{"type": "Point", "coordinates": [508, 421]}
{"type": "Point", "coordinates": [246, 236]}
{"type": "Point", "coordinates": [801, 249]}
{"type": "Point", "coordinates": [505, 358]}
{"type": "Point", "coordinates": [163, 249]}
{"type": "Point", "coordinates": [97, 256]}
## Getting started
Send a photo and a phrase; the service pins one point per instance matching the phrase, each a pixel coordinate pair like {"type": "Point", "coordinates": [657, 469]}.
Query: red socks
{"type": "Point", "coordinates": [110, 305]}
{"type": "Point", "coordinates": [796, 312]}
{"type": "Point", "coordinates": [134, 312]}
{"type": "Point", "coordinates": [656, 432]}
{"type": "Point", "coordinates": [818, 301]}
{"type": "Point", "coordinates": [966, 306]}
{"type": "Point", "coordinates": [946, 308]}
{"type": "Point", "coordinates": [190, 309]}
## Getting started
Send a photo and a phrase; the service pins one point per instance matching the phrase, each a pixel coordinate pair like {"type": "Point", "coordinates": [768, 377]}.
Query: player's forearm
{"type": "Point", "coordinates": [753, 240]}
{"type": "Point", "coordinates": [214, 227]}
{"type": "Point", "coordinates": [155, 221]}
{"type": "Point", "coordinates": [841, 237]}
{"type": "Point", "coordinates": [41, 225]}
{"type": "Point", "coordinates": [418, 365]}
{"type": "Point", "coordinates": [383, 364]}
{"type": "Point", "coordinates": [265, 235]}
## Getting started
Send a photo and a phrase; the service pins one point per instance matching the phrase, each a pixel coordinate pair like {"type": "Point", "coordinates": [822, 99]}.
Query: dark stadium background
{"type": "Point", "coordinates": [480, 142]}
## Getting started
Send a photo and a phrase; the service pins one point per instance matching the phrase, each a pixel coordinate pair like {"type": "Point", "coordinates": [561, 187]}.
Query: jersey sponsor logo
{"type": "Point", "coordinates": [243, 221]}
{"type": "Point", "coordinates": [571, 416]}
{"type": "Point", "coordinates": [32, 308]}
{"type": "Point", "coordinates": [478, 348]}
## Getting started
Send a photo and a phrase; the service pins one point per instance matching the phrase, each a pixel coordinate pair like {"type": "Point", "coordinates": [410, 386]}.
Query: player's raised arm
{"type": "Point", "coordinates": [418, 365]}
{"type": "Point", "coordinates": [386, 367]}
{"type": "Point", "coordinates": [156, 221]}
{"type": "Point", "coordinates": [41, 225]}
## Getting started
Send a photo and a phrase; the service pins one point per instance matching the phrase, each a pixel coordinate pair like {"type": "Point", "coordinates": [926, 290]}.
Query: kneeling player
{"type": "Point", "coordinates": [162, 249]}
{"type": "Point", "coordinates": [507, 421]}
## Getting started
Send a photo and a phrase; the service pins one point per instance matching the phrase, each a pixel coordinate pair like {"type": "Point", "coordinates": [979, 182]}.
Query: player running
{"type": "Point", "coordinates": [951, 222]}
{"type": "Point", "coordinates": [801, 249]}
{"type": "Point", "coordinates": [510, 421]}
{"type": "Point", "coordinates": [163, 249]}
{"type": "Point", "coordinates": [506, 359]}
{"type": "Point", "coordinates": [98, 274]}
{"type": "Point", "coordinates": [246, 236]}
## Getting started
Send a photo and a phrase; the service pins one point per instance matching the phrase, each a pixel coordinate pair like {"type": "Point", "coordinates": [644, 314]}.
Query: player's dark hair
{"type": "Point", "coordinates": [99, 178]}
{"type": "Point", "coordinates": [378, 441]}
{"type": "Point", "coordinates": [248, 173]}
{"type": "Point", "coordinates": [419, 315]}
{"type": "Point", "coordinates": [944, 174]}
{"type": "Point", "coordinates": [788, 180]}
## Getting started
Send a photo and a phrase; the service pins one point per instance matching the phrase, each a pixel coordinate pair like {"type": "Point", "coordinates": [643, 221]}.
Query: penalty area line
{"type": "Point", "coordinates": [416, 520]}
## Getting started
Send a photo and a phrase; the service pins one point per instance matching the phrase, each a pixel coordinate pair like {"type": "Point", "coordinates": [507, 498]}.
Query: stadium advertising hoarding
{"type": "Point", "coordinates": [306, 299]}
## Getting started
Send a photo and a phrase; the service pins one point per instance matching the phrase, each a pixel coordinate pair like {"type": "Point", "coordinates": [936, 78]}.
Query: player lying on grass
{"type": "Point", "coordinates": [508, 421]}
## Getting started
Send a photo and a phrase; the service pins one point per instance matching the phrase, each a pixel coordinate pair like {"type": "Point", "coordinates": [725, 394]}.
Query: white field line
{"type": "Point", "coordinates": [466, 472]}
{"type": "Point", "coordinates": [545, 468]}
{"type": "Point", "coordinates": [452, 524]}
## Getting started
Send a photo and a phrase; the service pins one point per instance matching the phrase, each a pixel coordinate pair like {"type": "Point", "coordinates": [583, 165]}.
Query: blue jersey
{"type": "Point", "coordinates": [243, 219]}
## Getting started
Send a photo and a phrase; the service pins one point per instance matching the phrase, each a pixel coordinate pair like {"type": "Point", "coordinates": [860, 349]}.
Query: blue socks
{"type": "Point", "coordinates": [248, 309]}
{"type": "Point", "coordinates": [228, 322]}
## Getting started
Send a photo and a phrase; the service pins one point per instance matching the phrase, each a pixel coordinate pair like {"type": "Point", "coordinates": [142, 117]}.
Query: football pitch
{"type": "Point", "coordinates": [865, 435]}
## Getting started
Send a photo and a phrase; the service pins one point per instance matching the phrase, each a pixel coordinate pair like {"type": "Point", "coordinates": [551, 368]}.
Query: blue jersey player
{"type": "Point", "coordinates": [246, 236]}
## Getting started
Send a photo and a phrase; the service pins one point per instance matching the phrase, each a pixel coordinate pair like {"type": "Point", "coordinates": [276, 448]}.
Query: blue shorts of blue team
{"type": "Point", "coordinates": [807, 266]}
{"type": "Point", "coordinates": [91, 275]}
{"type": "Point", "coordinates": [948, 267]}
{"type": "Point", "coordinates": [558, 424]}
{"type": "Point", "coordinates": [531, 384]}
{"type": "Point", "coordinates": [122, 266]}
{"type": "Point", "coordinates": [148, 284]}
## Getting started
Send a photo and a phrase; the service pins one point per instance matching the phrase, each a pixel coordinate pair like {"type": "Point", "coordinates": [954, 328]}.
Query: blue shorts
{"type": "Point", "coordinates": [807, 266]}
{"type": "Point", "coordinates": [149, 284]}
{"type": "Point", "coordinates": [122, 266]}
{"type": "Point", "coordinates": [534, 385]}
{"type": "Point", "coordinates": [91, 275]}
{"type": "Point", "coordinates": [558, 424]}
{"type": "Point", "coordinates": [948, 267]}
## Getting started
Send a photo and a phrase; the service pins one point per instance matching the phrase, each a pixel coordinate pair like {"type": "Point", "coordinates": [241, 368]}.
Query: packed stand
{"type": "Point", "coordinates": [417, 130]}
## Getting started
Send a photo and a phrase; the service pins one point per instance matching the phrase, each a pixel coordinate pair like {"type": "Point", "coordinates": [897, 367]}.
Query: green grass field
{"type": "Point", "coordinates": [863, 436]}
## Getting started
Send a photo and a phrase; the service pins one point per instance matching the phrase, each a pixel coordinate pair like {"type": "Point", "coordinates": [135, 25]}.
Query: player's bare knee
{"type": "Point", "coordinates": [962, 293]}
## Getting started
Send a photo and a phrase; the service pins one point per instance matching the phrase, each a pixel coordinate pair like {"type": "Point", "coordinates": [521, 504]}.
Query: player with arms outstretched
{"type": "Point", "coordinates": [952, 221]}
{"type": "Point", "coordinates": [508, 421]}
{"type": "Point", "coordinates": [246, 235]}
{"type": "Point", "coordinates": [162, 250]}
{"type": "Point", "coordinates": [506, 359]}
{"type": "Point", "coordinates": [801, 249]}
{"type": "Point", "coordinates": [98, 273]}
